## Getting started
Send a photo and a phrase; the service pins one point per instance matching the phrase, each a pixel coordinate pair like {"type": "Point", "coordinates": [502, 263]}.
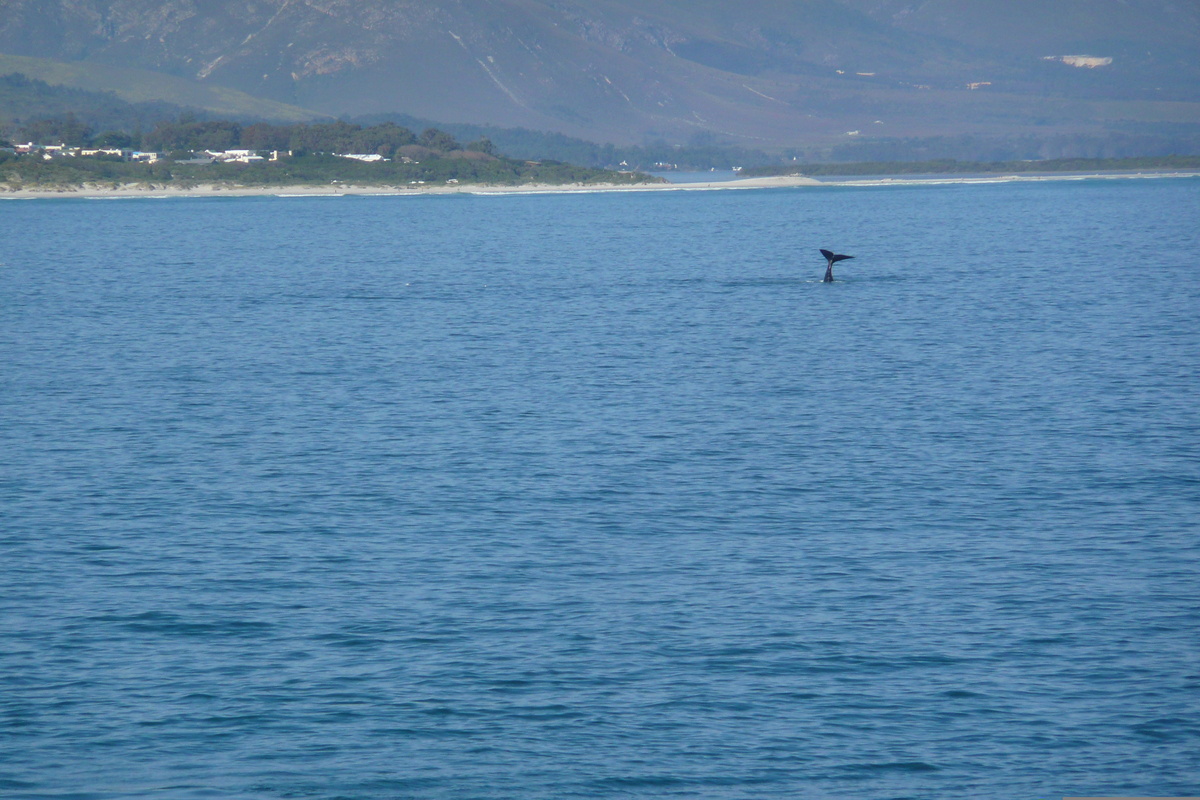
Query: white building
{"type": "Point", "coordinates": [237, 156]}
{"type": "Point", "coordinates": [362, 156]}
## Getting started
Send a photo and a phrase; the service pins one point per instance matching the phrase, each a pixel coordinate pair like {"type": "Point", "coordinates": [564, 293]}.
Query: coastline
{"type": "Point", "coordinates": [1020, 177]}
{"type": "Point", "coordinates": [342, 190]}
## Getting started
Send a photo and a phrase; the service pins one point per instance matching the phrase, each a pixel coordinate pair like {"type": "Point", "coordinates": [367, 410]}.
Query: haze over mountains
{"type": "Point", "coordinates": [758, 73]}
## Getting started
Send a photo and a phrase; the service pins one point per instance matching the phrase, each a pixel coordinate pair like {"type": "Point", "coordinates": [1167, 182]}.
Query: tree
{"type": "Point", "coordinates": [57, 130]}
{"type": "Point", "coordinates": [114, 139]}
{"type": "Point", "coordinates": [217, 135]}
{"type": "Point", "coordinates": [262, 136]}
{"type": "Point", "coordinates": [389, 134]}
{"type": "Point", "coordinates": [484, 145]}
{"type": "Point", "coordinates": [438, 140]}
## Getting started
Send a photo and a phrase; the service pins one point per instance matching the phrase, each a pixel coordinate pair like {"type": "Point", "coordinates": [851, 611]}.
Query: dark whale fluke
{"type": "Point", "coordinates": [833, 258]}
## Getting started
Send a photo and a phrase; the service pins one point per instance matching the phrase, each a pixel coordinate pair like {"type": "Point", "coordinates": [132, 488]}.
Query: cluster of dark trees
{"type": "Point", "coordinates": [66, 129]}
{"type": "Point", "coordinates": [188, 134]}
{"type": "Point", "coordinates": [385, 139]}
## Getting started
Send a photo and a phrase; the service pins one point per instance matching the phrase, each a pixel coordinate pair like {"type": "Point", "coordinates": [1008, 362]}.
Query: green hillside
{"type": "Point", "coordinates": [142, 86]}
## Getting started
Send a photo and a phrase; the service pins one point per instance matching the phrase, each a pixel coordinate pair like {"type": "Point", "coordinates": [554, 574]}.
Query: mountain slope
{"type": "Point", "coordinates": [761, 72]}
{"type": "Point", "coordinates": [141, 86]}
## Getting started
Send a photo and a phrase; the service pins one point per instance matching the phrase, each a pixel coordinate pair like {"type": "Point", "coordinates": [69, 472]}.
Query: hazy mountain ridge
{"type": "Point", "coordinates": [761, 72]}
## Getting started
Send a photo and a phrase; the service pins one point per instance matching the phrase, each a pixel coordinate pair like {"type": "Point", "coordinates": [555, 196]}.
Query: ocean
{"type": "Point", "coordinates": [603, 495]}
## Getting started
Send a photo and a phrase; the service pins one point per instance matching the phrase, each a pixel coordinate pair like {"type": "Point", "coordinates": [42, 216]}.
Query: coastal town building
{"type": "Point", "coordinates": [237, 156]}
{"type": "Point", "coordinates": [368, 157]}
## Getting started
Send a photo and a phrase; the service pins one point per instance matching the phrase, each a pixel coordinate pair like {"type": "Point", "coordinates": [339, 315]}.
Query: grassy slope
{"type": "Point", "coordinates": [137, 86]}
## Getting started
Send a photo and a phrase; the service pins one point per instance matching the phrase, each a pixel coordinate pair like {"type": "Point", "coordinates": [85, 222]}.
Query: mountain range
{"type": "Point", "coordinates": [756, 73]}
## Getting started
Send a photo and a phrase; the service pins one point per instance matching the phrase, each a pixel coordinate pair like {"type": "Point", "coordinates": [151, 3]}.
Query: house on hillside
{"type": "Point", "coordinates": [236, 156]}
{"type": "Point", "coordinates": [368, 157]}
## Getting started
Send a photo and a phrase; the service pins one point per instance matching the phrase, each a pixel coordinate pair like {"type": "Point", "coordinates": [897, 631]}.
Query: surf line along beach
{"type": "Point", "coordinates": [790, 181]}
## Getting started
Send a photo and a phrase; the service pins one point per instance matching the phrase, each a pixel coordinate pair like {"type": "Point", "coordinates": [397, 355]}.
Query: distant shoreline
{"type": "Point", "coordinates": [998, 177]}
{"type": "Point", "coordinates": [340, 190]}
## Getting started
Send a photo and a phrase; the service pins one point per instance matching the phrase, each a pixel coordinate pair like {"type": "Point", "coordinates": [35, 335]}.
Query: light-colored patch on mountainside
{"type": "Point", "coordinates": [511, 96]}
{"type": "Point", "coordinates": [1089, 62]}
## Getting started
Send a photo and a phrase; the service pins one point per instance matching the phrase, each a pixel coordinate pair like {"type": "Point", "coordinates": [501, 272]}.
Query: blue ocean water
{"type": "Point", "coordinates": [603, 495]}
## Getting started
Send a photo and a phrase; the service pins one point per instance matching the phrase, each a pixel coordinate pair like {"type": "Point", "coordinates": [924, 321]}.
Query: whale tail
{"type": "Point", "coordinates": [834, 257]}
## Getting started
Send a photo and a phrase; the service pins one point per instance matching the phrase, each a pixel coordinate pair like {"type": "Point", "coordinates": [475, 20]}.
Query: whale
{"type": "Point", "coordinates": [832, 258]}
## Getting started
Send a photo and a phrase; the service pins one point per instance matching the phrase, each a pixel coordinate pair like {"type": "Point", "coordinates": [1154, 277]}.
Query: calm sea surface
{"type": "Point", "coordinates": [603, 496]}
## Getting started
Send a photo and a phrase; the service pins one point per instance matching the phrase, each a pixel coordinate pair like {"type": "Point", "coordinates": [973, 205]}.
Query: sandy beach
{"type": "Point", "coordinates": [340, 190]}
